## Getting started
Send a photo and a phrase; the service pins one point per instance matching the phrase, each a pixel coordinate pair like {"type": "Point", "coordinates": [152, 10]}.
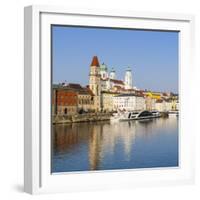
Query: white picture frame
{"type": "Point", "coordinates": [37, 173]}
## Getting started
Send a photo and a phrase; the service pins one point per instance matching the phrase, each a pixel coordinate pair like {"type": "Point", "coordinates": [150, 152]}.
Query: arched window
{"type": "Point", "coordinates": [65, 111]}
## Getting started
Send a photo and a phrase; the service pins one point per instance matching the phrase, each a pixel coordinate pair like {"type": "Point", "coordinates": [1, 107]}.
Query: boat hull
{"type": "Point", "coordinates": [140, 118]}
{"type": "Point", "coordinates": [129, 116]}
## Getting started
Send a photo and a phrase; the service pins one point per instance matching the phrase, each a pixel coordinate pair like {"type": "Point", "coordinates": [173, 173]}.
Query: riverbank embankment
{"type": "Point", "coordinates": [86, 117]}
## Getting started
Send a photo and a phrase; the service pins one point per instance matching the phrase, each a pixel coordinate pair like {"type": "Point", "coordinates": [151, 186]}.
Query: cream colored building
{"type": "Point", "coordinates": [107, 101]}
{"type": "Point", "coordinates": [129, 102]}
{"type": "Point", "coordinates": [85, 101]}
{"type": "Point", "coordinates": [175, 104]}
{"type": "Point", "coordinates": [165, 105]}
{"type": "Point", "coordinates": [161, 105]}
{"type": "Point", "coordinates": [150, 103]}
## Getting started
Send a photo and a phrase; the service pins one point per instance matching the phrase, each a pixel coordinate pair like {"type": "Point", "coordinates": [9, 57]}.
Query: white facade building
{"type": "Point", "coordinates": [129, 102]}
{"type": "Point", "coordinates": [163, 106]}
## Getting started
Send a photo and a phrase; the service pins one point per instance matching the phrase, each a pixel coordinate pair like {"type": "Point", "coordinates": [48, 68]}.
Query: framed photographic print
{"type": "Point", "coordinates": [107, 101]}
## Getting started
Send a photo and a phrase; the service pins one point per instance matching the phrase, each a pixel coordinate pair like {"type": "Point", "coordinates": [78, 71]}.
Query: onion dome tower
{"type": "Point", "coordinates": [104, 71]}
{"type": "Point", "coordinates": [112, 74]}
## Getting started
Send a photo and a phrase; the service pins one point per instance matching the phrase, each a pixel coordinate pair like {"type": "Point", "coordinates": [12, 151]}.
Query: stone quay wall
{"type": "Point", "coordinates": [88, 117]}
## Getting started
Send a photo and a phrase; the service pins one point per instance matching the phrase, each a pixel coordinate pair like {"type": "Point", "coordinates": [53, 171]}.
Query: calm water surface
{"type": "Point", "coordinates": [121, 145]}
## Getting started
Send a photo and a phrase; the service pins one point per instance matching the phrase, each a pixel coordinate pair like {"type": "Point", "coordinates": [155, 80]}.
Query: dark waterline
{"type": "Point", "coordinates": [121, 145]}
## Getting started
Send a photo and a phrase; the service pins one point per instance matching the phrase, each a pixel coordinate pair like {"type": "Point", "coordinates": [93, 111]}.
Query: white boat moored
{"type": "Point", "coordinates": [127, 116]}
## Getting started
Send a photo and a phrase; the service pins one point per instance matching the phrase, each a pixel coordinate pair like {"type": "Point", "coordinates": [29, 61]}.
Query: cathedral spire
{"type": "Point", "coordinates": [95, 61]}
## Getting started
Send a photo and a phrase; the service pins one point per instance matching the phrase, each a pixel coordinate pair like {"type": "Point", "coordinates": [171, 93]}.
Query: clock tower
{"type": "Point", "coordinates": [95, 82]}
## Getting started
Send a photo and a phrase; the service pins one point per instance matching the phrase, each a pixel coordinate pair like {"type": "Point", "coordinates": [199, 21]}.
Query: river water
{"type": "Point", "coordinates": [119, 145]}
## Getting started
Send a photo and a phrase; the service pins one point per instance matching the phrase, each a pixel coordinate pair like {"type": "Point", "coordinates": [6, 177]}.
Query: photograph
{"type": "Point", "coordinates": [114, 99]}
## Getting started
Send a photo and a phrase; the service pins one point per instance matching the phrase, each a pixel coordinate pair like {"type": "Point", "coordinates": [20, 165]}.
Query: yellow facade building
{"type": "Point", "coordinates": [153, 95]}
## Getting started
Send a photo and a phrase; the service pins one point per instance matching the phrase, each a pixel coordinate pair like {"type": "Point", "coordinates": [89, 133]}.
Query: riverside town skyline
{"type": "Point", "coordinates": [107, 93]}
{"type": "Point", "coordinates": [114, 99]}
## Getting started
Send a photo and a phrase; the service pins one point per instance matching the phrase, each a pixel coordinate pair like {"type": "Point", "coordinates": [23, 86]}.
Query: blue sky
{"type": "Point", "coordinates": [152, 55]}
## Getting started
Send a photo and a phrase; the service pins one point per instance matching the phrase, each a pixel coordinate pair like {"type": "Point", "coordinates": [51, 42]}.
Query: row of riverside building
{"type": "Point", "coordinates": [105, 93]}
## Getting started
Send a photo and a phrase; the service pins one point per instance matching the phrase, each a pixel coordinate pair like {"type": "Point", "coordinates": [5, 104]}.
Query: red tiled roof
{"type": "Point", "coordinates": [159, 101]}
{"type": "Point", "coordinates": [109, 92]}
{"type": "Point", "coordinates": [140, 93]}
{"type": "Point", "coordinates": [118, 87]}
{"type": "Point", "coordinates": [117, 81]}
{"type": "Point", "coordinates": [164, 94]}
{"type": "Point", "coordinates": [90, 91]}
{"type": "Point", "coordinates": [75, 86]}
{"type": "Point", "coordinates": [95, 61]}
{"type": "Point", "coordinates": [131, 90]}
{"type": "Point", "coordinates": [104, 79]}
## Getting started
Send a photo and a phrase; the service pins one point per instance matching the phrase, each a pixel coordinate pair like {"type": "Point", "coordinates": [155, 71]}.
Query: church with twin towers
{"type": "Point", "coordinates": [103, 82]}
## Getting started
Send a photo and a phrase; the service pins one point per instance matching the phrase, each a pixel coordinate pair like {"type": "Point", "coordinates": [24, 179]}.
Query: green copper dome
{"type": "Point", "coordinates": [103, 67]}
{"type": "Point", "coordinates": [128, 69]}
{"type": "Point", "coordinates": [112, 70]}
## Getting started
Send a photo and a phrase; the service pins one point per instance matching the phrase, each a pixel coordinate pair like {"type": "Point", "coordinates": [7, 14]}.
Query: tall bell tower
{"type": "Point", "coordinates": [95, 82]}
{"type": "Point", "coordinates": [128, 79]}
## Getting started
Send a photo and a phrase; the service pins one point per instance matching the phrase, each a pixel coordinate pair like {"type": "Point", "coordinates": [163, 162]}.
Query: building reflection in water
{"type": "Point", "coordinates": [103, 140]}
{"type": "Point", "coordinates": [95, 146]}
